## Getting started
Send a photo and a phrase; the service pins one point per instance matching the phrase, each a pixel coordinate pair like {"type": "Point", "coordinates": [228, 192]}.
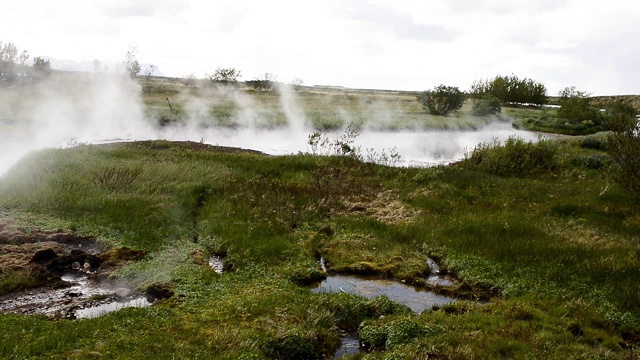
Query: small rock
{"type": "Point", "coordinates": [44, 255]}
{"type": "Point", "coordinates": [122, 292]}
{"type": "Point", "coordinates": [75, 265]}
{"type": "Point", "coordinates": [86, 266]}
{"type": "Point", "coordinates": [77, 254]}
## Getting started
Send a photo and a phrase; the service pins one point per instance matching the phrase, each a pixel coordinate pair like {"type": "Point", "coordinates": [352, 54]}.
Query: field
{"type": "Point", "coordinates": [545, 259]}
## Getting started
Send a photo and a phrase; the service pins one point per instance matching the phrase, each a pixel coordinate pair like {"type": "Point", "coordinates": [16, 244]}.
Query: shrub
{"type": "Point", "coordinates": [488, 105]}
{"type": "Point", "coordinates": [511, 89]}
{"type": "Point", "coordinates": [292, 344]}
{"type": "Point", "coordinates": [593, 161]}
{"type": "Point", "coordinates": [576, 107]}
{"type": "Point", "coordinates": [442, 100]}
{"type": "Point", "coordinates": [374, 336]}
{"type": "Point", "coordinates": [591, 142]}
{"type": "Point", "coordinates": [515, 157]}
{"type": "Point", "coordinates": [624, 148]}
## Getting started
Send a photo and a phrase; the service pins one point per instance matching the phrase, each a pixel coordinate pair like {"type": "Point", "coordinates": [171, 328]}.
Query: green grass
{"type": "Point", "coordinates": [558, 247]}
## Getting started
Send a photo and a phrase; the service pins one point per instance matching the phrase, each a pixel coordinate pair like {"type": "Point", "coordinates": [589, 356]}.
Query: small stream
{"type": "Point", "coordinates": [216, 263]}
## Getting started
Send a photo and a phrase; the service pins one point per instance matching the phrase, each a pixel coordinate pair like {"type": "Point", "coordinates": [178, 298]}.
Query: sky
{"type": "Point", "coordinates": [388, 44]}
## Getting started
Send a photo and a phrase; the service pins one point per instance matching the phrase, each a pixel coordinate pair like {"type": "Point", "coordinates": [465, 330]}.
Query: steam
{"type": "Point", "coordinates": [96, 108]}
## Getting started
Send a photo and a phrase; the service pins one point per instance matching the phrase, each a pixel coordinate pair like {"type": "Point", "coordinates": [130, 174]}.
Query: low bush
{"type": "Point", "coordinates": [515, 157]}
{"type": "Point", "coordinates": [488, 105]}
{"type": "Point", "coordinates": [593, 161]}
{"type": "Point", "coordinates": [591, 142]}
{"type": "Point", "coordinates": [375, 336]}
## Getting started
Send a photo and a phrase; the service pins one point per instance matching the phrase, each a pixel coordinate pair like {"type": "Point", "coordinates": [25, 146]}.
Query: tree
{"type": "Point", "coordinates": [510, 90]}
{"type": "Point", "coordinates": [24, 56]}
{"type": "Point", "coordinates": [296, 84]}
{"type": "Point", "coordinates": [225, 76]}
{"type": "Point", "coordinates": [97, 65]}
{"type": "Point", "coordinates": [189, 80]}
{"type": "Point", "coordinates": [8, 59]}
{"type": "Point", "coordinates": [148, 74]}
{"type": "Point", "coordinates": [488, 105]}
{"type": "Point", "coordinates": [265, 83]}
{"type": "Point", "coordinates": [442, 100]}
{"type": "Point", "coordinates": [130, 64]}
{"type": "Point", "coordinates": [576, 107]}
{"type": "Point", "coordinates": [623, 145]}
{"type": "Point", "coordinates": [41, 68]}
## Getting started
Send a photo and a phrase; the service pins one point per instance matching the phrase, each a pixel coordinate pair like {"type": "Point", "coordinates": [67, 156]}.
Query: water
{"type": "Point", "coordinates": [435, 278]}
{"type": "Point", "coordinates": [416, 148]}
{"type": "Point", "coordinates": [74, 300]}
{"type": "Point", "coordinates": [417, 300]}
{"type": "Point", "coordinates": [216, 264]}
{"type": "Point", "coordinates": [99, 310]}
{"type": "Point", "coordinates": [350, 345]}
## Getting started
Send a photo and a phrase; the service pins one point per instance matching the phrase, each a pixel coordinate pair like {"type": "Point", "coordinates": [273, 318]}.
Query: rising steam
{"type": "Point", "coordinates": [96, 108]}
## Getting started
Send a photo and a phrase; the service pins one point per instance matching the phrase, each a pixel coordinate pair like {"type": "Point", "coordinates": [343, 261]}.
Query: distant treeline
{"type": "Point", "coordinates": [14, 67]}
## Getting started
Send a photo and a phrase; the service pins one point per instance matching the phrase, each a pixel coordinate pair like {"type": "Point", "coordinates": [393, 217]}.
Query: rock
{"type": "Point", "coordinates": [159, 291]}
{"type": "Point", "coordinates": [44, 255]}
{"type": "Point", "coordinates": [86, 266]}
{"type": "Point", "coordinates": [77, 255]}
{"type": "Point", "coordinates": [75, 265]}
{"type": "Point", "coordinates": [122, 292]}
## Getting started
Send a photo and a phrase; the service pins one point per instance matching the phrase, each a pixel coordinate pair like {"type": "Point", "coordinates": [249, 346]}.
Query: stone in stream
{"type": "Point", "coordinates": [122, 292]}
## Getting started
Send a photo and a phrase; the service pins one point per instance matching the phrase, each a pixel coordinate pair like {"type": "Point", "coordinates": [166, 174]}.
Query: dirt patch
{"type": "Point", "coordinates": [386, 207]}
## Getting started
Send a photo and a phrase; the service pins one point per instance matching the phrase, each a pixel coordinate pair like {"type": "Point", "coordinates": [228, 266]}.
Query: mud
{"type": "Point", "coordinates": [78, 296]}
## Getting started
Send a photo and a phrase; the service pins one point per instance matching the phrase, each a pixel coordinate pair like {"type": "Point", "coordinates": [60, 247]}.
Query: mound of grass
{"type": "Point", "coordinates": [515, 157]}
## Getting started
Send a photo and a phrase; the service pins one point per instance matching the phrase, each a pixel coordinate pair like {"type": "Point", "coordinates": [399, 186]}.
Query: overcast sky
{"type": "Point", "coordinates": [391, 44]}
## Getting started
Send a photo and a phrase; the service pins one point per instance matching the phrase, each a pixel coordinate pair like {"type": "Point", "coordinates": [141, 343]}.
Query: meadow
{"type": "Point", "coordinates": [543, 244]}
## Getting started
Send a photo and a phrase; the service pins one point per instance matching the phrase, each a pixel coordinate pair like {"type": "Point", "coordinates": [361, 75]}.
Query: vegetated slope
{"type": "Point", "coordinates": [553, 248]}
{"type": "Point", "coordinates": [604, 101]}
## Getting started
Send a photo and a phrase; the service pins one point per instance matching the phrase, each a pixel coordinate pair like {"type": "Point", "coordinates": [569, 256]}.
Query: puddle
{"type": "Point", "coordinates": [216, 264]}
{"type": "Point", "coordinates": [417, 300]}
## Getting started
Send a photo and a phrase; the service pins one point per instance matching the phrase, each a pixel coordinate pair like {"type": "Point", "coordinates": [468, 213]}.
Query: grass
{"type": "Point", "coordinates": [556, 248]}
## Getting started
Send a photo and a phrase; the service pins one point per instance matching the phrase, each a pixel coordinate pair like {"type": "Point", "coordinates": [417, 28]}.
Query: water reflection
{"type": "Point", "coordinates": [417, 300]}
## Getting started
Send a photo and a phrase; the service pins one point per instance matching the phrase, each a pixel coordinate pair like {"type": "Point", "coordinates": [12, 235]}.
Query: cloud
{"type": "Point", "coordinates": [143, 8]}
{"type": "Point", "coordinates": [383, 18]}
